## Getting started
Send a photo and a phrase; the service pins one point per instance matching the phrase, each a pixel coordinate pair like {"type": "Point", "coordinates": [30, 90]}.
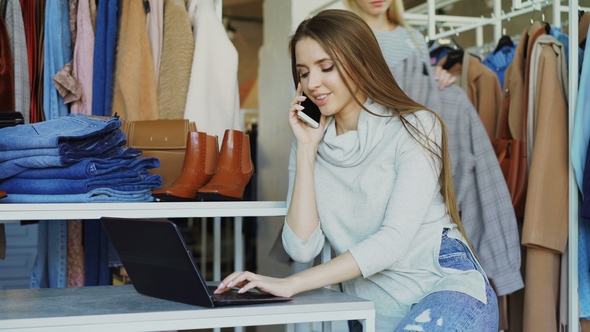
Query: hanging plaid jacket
{"type": "Point", "coordinates": [483, 199]}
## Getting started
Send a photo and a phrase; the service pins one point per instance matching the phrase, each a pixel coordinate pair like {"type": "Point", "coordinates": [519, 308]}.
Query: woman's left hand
{"type": "Point", "coordinates": [247, 280]}
{"type": "Point", "coordinates": [443, 77]}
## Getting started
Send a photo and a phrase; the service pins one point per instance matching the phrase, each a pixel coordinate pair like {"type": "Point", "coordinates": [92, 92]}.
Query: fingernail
{"type": "Point", "coordinates": [241, 290]}
{"type": "Point", "coordinates": [230, 283]}
{"type": "Point", "coordinates": [220, 286]}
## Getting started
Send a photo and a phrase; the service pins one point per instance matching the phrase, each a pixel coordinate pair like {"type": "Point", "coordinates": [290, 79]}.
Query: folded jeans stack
{"type": "Point", "coordinates": [74, 158]}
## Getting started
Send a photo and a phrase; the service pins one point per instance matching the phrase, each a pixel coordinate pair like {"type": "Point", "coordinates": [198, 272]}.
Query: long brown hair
{"type": "Point", "coordinates": [351, 44]}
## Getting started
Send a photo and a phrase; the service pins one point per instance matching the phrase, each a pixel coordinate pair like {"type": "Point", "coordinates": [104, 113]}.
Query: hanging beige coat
{"type": "Point", "coordinates": [482, 87]}
{"type": "Point", "coordinates": [135, 94]}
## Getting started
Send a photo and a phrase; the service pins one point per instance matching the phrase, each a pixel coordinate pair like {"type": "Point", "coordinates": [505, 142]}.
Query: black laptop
{"type": "Point", "coordinates": [160, 264]}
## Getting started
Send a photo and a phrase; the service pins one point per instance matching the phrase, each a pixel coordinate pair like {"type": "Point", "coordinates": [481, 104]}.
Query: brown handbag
{"type": "Point", "coordinates": [512, 158]}
{"type": "Point", "coordinates": [162, 139]}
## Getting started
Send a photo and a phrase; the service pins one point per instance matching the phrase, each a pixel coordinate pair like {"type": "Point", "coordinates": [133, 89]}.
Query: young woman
{"type": "Point", "coordinates": [375, 181]}
{"type": "Point", "coordinates": [396, 37]}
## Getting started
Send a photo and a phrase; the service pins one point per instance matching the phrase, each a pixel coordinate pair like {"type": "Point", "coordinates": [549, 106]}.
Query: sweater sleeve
{"type": "Point", "coordinates": [414, 191]}
{"type": "Point", "coordinates": [300, 250]}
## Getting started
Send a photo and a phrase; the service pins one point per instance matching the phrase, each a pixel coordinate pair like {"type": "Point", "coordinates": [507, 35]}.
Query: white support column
{"type": "Point", "coordinates": [238, 244]}
{"type": "Point", "coordinates": [217, 253]}
{"type": "Point", "coordinates": [556, 14]}
{"type": "Point", "coordinates": [217, 248]}
{"type": "Point", "coordinates": [431, 21]}
{"type": "Point", "coordinates": [217, 220]}
{"type": "Point", "coordinates": [498, 25]}
{"type": "Point", "coordinates": [573, 294]}
{"type": "Point", "coordinates": [479, 36]}
{"type": "Point", "coordinates": [238, 252]}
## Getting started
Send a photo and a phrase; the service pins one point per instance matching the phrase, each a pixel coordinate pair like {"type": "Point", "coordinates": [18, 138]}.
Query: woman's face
{"type": "Point", "coordinates": [321, 81]}
{"type": "Point", "coordinates": [373, 7]}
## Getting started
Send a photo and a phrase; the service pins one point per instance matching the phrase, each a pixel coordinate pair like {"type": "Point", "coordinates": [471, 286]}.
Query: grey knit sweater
{"type": "Point", "coordinates": [378, 197]}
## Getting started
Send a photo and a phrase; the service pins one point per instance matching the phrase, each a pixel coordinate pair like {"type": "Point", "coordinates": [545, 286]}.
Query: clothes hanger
{"type": "Point", "coordinates": [544, 23]}
{"type": "Point", "coordinates": [503, 42]}
{"type": "Point", "coordinates": [532, 15]}
{"type": "Point", "coordinates": [453, 58]}
{"type": "Point", "coordinates": [444, 42]}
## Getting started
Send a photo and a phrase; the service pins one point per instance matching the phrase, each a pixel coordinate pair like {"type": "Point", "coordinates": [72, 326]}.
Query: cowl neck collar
{"type": "Point", "coordinates": [351, 148]}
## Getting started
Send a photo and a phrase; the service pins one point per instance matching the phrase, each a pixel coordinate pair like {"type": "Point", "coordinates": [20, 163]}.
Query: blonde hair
{"type": "Point", "coordinates": [395, 14]}
{"type": "Point", "coordinates": [351, 44]}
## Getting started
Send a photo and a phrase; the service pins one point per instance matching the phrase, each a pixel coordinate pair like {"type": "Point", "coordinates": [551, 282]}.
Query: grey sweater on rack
{"type": "Point", "coordinates": [378, 197]}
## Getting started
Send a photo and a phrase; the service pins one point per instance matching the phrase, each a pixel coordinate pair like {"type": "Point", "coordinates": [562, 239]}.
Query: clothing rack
{"type": "Point", "coordinates": [520, 8]}
{"type": "Point", "coordinates": [458, 24]}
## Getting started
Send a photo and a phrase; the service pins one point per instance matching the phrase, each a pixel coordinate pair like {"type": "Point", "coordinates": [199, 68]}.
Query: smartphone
{"type": "Point", "coordinates": [311, 113]}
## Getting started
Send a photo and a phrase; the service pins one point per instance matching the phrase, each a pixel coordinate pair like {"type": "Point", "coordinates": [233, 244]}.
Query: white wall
{"type": "Point", "coordinates": [281, 18]}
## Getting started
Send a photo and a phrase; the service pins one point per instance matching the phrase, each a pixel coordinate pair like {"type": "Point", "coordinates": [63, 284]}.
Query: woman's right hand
{"type": "Point", "coordinates": [247, 280]}
{"type": "Point", "coordinates": [304, 134]}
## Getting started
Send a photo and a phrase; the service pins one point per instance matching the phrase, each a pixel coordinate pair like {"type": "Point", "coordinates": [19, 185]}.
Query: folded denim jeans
{"type": "Point", "coordinates": [125, 181]}
{"type": "Point", "coordinates": [17, 154]}
{"type": "Point", "coordinates": [91, 167]}
{"type": "Point", "coordinates": [100, 195]}
{"type": "Point", "coordinates": [104, 149]}
{"type": "Point", "coordinates": [55, 132]}
{"type": "Point", "coordinates": [14, 167]}
{"type": "Point", "coordinates": [94, 145]}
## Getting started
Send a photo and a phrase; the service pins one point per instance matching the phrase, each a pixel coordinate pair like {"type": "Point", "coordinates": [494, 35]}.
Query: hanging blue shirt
{"type": "Point", "coordinates": [499, 61]}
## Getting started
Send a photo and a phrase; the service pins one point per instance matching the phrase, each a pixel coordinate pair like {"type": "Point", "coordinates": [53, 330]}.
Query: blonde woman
{"type": "Point", "coordinates": [375, 181]}
{"type": "Point", "coordinates": [396, 37]}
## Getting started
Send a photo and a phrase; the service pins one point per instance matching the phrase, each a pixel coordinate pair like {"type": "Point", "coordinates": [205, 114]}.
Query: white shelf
{"type": "Point", "coordinates": [121, 308]}
{"type": "Point", "coordinates": [62, 211]}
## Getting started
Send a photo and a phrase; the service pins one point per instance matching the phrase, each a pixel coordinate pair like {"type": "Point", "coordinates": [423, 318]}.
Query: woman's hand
{"type": "Point", "coordinates": [443, 77]}
{"type": "Point", "coordinates": [247, 280]}
{"type": "Point", "coordinates": [304, 134]}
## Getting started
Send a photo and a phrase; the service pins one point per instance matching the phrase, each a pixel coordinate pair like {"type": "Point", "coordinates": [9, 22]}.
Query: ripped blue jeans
{"type": "Point", "coordinates": [447, 311]}
{"type": "Point", "coordinates": [453, 311]}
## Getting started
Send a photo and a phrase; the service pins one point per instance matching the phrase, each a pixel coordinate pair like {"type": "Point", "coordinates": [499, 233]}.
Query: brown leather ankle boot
{"type": "Point", "coordinates": [200, 161]}
{"type": "Point", "coordinates": [3, 194]}
{"type": "Point", "coordinates": [234, 169]}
